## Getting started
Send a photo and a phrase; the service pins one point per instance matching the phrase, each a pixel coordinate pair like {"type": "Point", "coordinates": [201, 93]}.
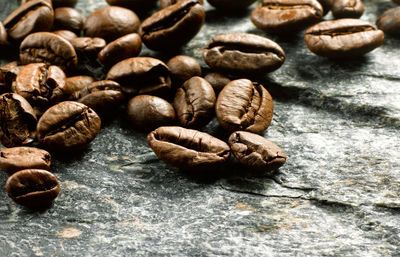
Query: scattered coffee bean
{"type": "Point", "coordinates": [60, 3]}
{"type": "Point", "coordinates": [347, 8]}
{"type": "Point", "coordinates": [231, 4]}
{"type": "Point", "coordinates": [183, 68]}
{"type": "Point", "coordinates": [20, 158]}
{"type": "Point", "coordinates": [217, 80]}
{"type": "Point", "coordinates": [75, 84]}
{"type": "Point", "coordinates": [389, 21]}
{"type": "Point", "coordinates": [133, 4]}
{"type": "Point", "coordinates": [256, 152]}
{"type": "Point", "coordinates": [8, 73]}
{"type": "Point", "coordinates": [3, 35]}
{"type": "Point", "coordinates": [66, 18]}
{"type": "Point", "coordinates": [244, 105]}
{"type": "Point", "coordinates": [88, 46]}
{"type": "Point", "coordinates": [166, 3]}
{"type": "Point", "coordinates": [33, 188]}
{"type": "Point", "coordinates": [187, 148]}
{"type": "Point", "coordinates": [66, 34]}
{"type": "Point", "coordinates": [343, 38]}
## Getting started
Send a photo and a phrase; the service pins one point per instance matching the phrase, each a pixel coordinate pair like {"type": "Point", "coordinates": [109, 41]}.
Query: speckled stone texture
{"type": "Point", "coordinates": [337, 195]}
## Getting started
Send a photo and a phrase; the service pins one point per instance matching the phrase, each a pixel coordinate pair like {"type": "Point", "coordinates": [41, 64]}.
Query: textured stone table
{"type": "Point", "coordinates": [337, 195]}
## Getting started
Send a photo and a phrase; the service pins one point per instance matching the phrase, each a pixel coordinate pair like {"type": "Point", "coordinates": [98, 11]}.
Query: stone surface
{"type": "Point", "coordinates": [337, 194]}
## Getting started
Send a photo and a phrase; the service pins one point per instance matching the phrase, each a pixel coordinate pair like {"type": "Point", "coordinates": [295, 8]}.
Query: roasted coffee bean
{"type": "Point", "coordinates": [123, 48]}
{"type": "Point", "coordinates": [66, 18]}
{"type": "Point", "coordinates": [104, 97]}
{"type": "Point", "coordinates": [50, 49]}
{"type": "Point", "coordinates": [231, 4]}
{"type": "Point", "coordinates": [194, 102]}
{"type": "Point", "coordinates": [183, 68]}
{"type": "Point", "coordinates": [389, 21]}
{"type": "Point", "coordinates": [217, 80]}
{"type": "Point", "coordinates": [347, 8]}
{"type": "Point", "coordinates": [243, 53]}
{"type": "Point", "coordinates": [111, 22]}
{"type": "Point", "coordinates": [148, 112]}
{"type": "Point", "coordinates": [30, 17]}
{"type": "Point", "coordinates": [133, 4]}
{"type": "Point", "coordinates": [3, 35]}
{"type": "Point", "coordinates": [244, 105]}
{"type": "Point", "coordinates": [256, 152]}
{"type": "Point", "coordinates": [67, 125]}
{"type": "Point", "coordinates": [60, 3]}
{"type": "Point", "coordinates": [33, 188]}
{"type": "Point", "coordinates": [40, 85]}
{"type": "Point", "coordinates": [343, 38]}
{"type": "Point", "coordinates": [173, 26]}
{"type": "Point", "coordinates": [8, 73]}
{"type": "Point", "coordinates": [281, 16]}
{"type": "Point", "coordinates": [88, 46]}
{"type": "Point", "coordinates": [66, 34]}
{"type": "Point", "coordinates": [20, 158]}
{"type": "Point", "coordinates": [166, 3]}
{"type": "Point", "coordinates": [17, 120]}
{"type": "Point", "coordinates": [75, 84]}
{"type": "Point", "coordinates": [187, 148]}
{"type": "Point", "coordinates": [141, 75]}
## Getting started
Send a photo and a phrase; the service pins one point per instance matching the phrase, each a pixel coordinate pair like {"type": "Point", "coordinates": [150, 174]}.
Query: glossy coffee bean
{"type": "Point", "coordinates": [194, 103]}
{"type": "Point", "coordinates": [343, 38]}
{"type": "Point", "coordinates": [66, 34]}
{"type": "Point", "coordinates": [141, 75]}
{"type": "Point", "coordinates": [243, 53]}
{"type": "Point", "coordinates": [33, 188]}
{"type": "Point", "coordinates": [148, 112]}
{"type": "Point", "coordinates": [389, 21]}
{"type": "Point", "coordinates": [88, 46]}
{"type": "Point", "coordinates": [8, 73]}
{"type": "Point", "coordinates": [67, 125]}
{"type": "Point", "coordinates": [183, 68]}
{"type": "Point", "coordinates": [33, 16]}
{"type": "Point", "coordinates": [256, 152]}
{"type": "Point", "coordinates": [60, 3]}
{"type": "Point", "coordinates": [173, 26]}
{"type": "Point", "coordinates": [66, 18]}
{"type": "Point", "coordinates": [244, 105]}
{"type": "Point", "coordinates": [17, 119]}
{"type": "Point", "coordinates": [347, 8]}
{"type": "Point", "coordinates": [188, 149]}
{"type": "Point", "coordinates": [280, 16]}
{"type": "Point", "coordinates": [20, 158]}
{"type": "Point", "coordinates": [217, 80]}
{"type": "Point", "coordinates": [231, 4]}
{"type": "Point", "coordinates": [120, 49]}
{"type": "Point", "coordinates": [166, 3]}
{"type": "Point", "coordinates": [133, 4]}
{"type": "Point", "coordinates": [75, 84]}
{"type": "Point", "coordinates": [3, 35]}
{"type": "Point", "coordinates": [50, 49]}
{"type": "Point", "coordinates": [111, 22]}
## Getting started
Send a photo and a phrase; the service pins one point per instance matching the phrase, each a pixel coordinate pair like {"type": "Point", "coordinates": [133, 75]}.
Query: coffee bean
{"type": "Point", "coordinates": [217, 80]}
{"type": "Point", "coordinates": [17, 120]}
{"type": "Point", "coordinates": [66, 18]}
{"type": "Point", "coordinates": [166, 3]}
{"type": "Point", "coordinates": [256, 152]}
{"type": "Point", "coordinates": [30, 17]}
{"type": "Point", "coordinates": [122, 48]}
{"type": "Point", "coordinates": [8, 73]}
{"type": "Point", "coordinates": [88, 46]}
{"type": "Point", "coordinates": [173, 26]}
{"type": "Point", "coordinates": [133, 4]}
{"type": "Point", "coordinates": [33, 188]}
{"type": "Point", "coordinates": [231, 4]}
{"type": "Point", "coordinates": [67, 125]}
{"type": "Point", "coordinates": [111, 22]}
{"type": "Point", "coordinates": [141, 75]}
{"type": "Point", "coordinates": [3, 35]}
{"type": "Point", "coordinates": [75, 84]}
{"type": "Point", "coordinates": [50, 49]}
{"type": "Point", "coordinates": [183, 68]}
{"type": "Point", "coordinates": [20, 158]}
{"type": "Point", "coordinates": [187, 148]}
{"type": "Point", "coordinates": [389, 21]}
{"type": "Point", "coordinates": [243, 53]}
{"type": "Point", "coordinates": [60, 3]}
{"type": "Point", "coordinates": [343, 38]}
{"type": "Point", "coordinates": [194, 102]}
{"type": "Point", "coordinates": [66, 34]}
{"type": "Point", "coordinates": [148, 112]}
{"type": "Point", "coordinates": [282, 16]}
{"type": "Point", "coordinates": [244, 105]}
{"type": "Point", "coordinates": [347, 8]}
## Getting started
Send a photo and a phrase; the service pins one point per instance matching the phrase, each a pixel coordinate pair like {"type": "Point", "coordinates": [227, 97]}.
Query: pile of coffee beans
{"type": "Point", "coordinates": [45, 103]}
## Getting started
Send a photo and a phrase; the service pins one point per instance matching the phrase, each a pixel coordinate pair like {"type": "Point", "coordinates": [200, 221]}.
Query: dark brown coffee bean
{"type": "Point", "coordinates": [243, 53]}
{"type": "Point", "coordinates": [187, 148]}
{"type": "Point", "coordinates": [67, 125]}
{"type": "Point", "coordinates": [3, 35]}
{"type": "Point", "coordinates": [183, 68]}
{"type": "Point", "coordinates": [244, 105]}
{"type": "Point", "coordinates": [173, 26]}
{"type": "Point", "coordinates": [133, 4]}
{"type": "Point", "coordinates": [217, 80]}
{"type": "Point", "coordinates": [256, 152]}
{"type": "Point", "coordinates": [33, 188]}
{"type": "Point", "coordinates": [75, 84]}
{"type": "Point", "coordinates": [231, 4]}
{"type": "Point", "coordinates": [20, 158]}
{"type": "Point", "coordinates": [111, 22]}
{"type": "Point", "coordinates": [166, 3]}
{"type": "Point", "coordinates": [347, 8]}
{"type": "Point", "coordinates": [40, 85]}
{"type": "Point", "coordinates": [8, 74]}
{"type": "Point", "coordinates": [123, 48]}
{"type": "Point", "coordinates": [66, 18]}
{"type": "Point", "coordinates": [148, 112]}
{"type": "Point", "coordinates": [88, 46]}
{"type": "Point", "coordinates": [66, 34]}
{"type": "Point", "coordinates": [17, 120]}
{"type": "Point", "coordinates": [141, 75]}
{"type": "Point", "coordinates": [60, 3]}
{"type": "Point", "coordinates": [50, 49]}
{"type": "Point", "coordinates": [194, 102]}
{"type": "Point", "coordinates": [343, 38]}
{"type": "Point", "coordinates": [30, 17]}
{"type": "Point", "coordinates": [281, 16]}
{"type": "Point", "coordinates": [389, 21]}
